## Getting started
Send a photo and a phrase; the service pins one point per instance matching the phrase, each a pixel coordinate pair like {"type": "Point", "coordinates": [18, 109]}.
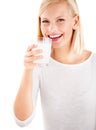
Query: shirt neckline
{"type": "Point", "coordinates": [73, 65]}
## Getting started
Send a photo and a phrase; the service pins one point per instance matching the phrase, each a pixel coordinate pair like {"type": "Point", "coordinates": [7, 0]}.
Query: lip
{"type": "Point", "coordinates": [54, 39]}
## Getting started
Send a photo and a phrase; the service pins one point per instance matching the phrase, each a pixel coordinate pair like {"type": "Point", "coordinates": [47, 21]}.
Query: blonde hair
{"type": "Point", "coordinates": [77, 43]}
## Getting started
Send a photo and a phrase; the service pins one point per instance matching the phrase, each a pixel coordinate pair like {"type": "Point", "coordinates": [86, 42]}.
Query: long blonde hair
{"type": "Point", "coordinates": [77, 39]}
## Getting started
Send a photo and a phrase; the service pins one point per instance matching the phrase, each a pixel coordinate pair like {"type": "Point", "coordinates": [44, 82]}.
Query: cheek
{"type": "Point", "coordinates": [43, 30]}
{"type": "Point", "coordinates": [63, 28]}
{"type": "Point", "coordinates": [68, 29]}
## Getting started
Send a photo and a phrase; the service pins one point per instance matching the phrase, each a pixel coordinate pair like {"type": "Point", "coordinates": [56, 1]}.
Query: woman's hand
{"type": "Point", "coordinates": [32, 54]}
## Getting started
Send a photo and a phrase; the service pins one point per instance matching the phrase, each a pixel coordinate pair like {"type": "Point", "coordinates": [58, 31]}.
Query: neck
{"type": "Point", "coordinates": [64, 55]}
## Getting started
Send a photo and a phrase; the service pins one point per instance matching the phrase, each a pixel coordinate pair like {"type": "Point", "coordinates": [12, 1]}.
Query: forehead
{"type": "Point", "coordinates": [57, 9]}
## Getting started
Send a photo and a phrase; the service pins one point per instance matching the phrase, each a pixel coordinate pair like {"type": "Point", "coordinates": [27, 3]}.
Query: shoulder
{"type": "Point", "coordinates": [90, 55]}
{"type": "Point", "coordinates": [93, 55]}
{"type": "Point", "coordinates": [87, 54]}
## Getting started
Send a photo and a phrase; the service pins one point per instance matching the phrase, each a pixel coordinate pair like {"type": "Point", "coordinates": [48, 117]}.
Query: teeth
{"type": "Point", "coordinates": [55, 36]}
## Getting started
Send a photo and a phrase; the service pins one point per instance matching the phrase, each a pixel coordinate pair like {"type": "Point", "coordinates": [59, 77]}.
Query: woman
{"type": "Point", "coordinates": [67, 84]}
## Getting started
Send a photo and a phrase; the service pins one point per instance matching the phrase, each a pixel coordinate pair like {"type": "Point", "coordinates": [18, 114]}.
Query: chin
{"type": "Point", "coordinates": [57, 46]}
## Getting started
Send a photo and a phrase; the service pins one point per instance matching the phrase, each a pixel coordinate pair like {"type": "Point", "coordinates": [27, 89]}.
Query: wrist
{"type": "Point", "coordinates": [28, 70]}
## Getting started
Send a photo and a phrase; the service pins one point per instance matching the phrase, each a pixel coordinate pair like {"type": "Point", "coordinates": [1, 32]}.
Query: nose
{"type": "Point", "coordinates": [52, 28]}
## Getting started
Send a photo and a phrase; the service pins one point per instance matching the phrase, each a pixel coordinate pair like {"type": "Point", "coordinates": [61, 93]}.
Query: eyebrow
{"type": "Point", "coordinates": [56, 17]}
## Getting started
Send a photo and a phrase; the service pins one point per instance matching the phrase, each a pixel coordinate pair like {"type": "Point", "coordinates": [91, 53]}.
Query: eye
{"type": "Point", "coordinates": [60, 20]}
{"type": "Point", "coordinates": [45, 21]}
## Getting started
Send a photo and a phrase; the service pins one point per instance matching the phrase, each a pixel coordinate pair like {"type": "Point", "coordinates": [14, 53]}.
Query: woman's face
{"type": "Point", "coordinates": [58, 23]}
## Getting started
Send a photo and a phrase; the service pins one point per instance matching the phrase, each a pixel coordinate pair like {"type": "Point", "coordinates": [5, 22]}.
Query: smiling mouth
{"type": "Point", "coordinates": [53, 37]}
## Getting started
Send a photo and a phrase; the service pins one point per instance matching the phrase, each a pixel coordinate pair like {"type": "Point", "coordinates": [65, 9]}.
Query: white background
{"type": "Point", "coordinates": [18, 21]}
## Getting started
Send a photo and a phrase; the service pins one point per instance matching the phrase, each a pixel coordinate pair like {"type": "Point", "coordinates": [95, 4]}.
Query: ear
{"type": "Point", "coordinates": [76, 21]}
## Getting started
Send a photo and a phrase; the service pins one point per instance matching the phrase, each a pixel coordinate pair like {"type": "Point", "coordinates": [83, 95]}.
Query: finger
{"type": "Point", "coordinates": [32, 59]}
{"type": "Point", "coordinates": [33, 52]}
{"type": "Point", "coordinates": [36, 52]}
{"type": "Point", "coordinates": [31, 46]}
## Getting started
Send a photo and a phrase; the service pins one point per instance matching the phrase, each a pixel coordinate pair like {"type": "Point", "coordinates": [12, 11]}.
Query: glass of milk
{"type": "Point", "coordinates": [43, 43]}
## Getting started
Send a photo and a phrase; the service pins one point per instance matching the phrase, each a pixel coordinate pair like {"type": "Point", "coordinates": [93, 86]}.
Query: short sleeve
{"type": "Point", "coordinates": [35, 91]}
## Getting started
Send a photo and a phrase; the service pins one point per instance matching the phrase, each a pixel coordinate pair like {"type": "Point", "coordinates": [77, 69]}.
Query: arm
{"type": "Point", "coordinates": [23, 105]}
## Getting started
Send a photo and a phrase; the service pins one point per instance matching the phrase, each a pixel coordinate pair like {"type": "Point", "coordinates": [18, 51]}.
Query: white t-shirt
{"type": "Point", "coordinates": [68, 95]}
